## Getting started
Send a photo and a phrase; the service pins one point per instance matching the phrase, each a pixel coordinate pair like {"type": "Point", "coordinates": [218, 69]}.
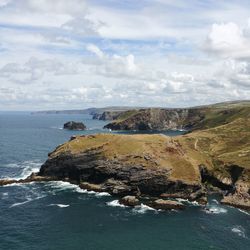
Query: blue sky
{"type": "Point", "coordinates": [76, 54]}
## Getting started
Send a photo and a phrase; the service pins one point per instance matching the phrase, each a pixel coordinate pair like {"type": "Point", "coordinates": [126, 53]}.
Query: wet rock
{"type": "Point", "coordinates": [91, 187]}
{"type": "Point", "coordinates": [166, 204]}
{"type": "Point", "coordinates": [34, 177]}
{"type": "Point", "coordinates": [129, 201]}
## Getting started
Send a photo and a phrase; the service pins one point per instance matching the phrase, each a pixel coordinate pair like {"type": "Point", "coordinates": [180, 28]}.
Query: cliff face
{"type": "Point", "coordinates": [110, 115]}
{"type": "Point", "coordinates": [188, 119]}
{"type": "Point", "coordinates": [186, 166]}
{"type": "Point", "coordinates": [157, 119]}
{"type": "Point", "coordinates": [149, 165]}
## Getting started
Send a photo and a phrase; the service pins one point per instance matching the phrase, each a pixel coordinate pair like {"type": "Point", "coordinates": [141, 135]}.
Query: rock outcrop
{"type": "Point", "coordinates": [125, 165]}
{"type": "Point", "coordinates": [240, 195]}
{"type": "Point", "coordinates": [130, 201]}
{"type": "Point", "coordinates": [74, 125]}
{"type": "Point", "coordinates": [32, 178]}
{"type": "Point", "coordinates": [167, 204]}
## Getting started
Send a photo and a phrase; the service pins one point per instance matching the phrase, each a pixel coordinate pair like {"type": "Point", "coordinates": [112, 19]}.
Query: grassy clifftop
{"type": "Point", "coordinates": [214, 148]}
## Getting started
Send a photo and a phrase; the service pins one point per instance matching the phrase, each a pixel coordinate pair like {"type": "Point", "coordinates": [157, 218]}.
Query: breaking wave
{"type": "Point", "coordinates": [59, 205]}
{"type": "Point", "coordinates": [24, 169]}
{"type": "Point", "coordinates": [115, 203]}
{"type": "Point", "coordinates": [58, 186]}
{"type": "Point", "coordinates": [239, 230]}
{"type": "Point", "coordinates": [142, 209]}
{"type": "Point", "coordinates": [215, 210]}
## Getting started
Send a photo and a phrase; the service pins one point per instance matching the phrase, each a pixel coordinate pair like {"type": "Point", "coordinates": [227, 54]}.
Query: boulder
{"type": "Point", "coordinates": [74, 125]}
{"type": "Point", "coordinates": [166, 204]}
{"type": "Point", "coordinates": [130, 201]}
{"type": "Point", "coordinates": [91, 187]}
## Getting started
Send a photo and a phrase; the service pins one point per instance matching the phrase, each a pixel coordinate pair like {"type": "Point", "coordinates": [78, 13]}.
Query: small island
{"type": "Point", "coordinates": [74, 125]}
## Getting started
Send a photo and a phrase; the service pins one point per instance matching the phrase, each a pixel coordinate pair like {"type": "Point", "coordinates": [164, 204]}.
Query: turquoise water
{"type": "Point", "coordinates": [58, 215]}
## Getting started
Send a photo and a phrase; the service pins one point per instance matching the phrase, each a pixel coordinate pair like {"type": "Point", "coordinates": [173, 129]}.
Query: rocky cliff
{"type": "Point", "coordinates": [187, 118]}
{"type": "Point", "coordinates": [187, 166]}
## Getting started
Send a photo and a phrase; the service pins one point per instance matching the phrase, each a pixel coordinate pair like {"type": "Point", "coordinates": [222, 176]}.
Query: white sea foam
{"type": "Point", "coordinates": [193, 203]}
{"type": "Point", "coordinates": [101, 194]}
{"type": "Point", "coordinates": [21, 203]}
{"type": "Point", "coordinates": [244, 212]}
{"type": "Point", "coordinates": [215, 201]}
{"type": "Point", "coordinates": [142, 209]}
{"type": "Point", "coordinates": [28, 199]}
{"type": "Point", "coordinates": [55, 127]}
{"type": "Point", "coordinates": [60, 205]}
{"type": "Point", "coordinates": [62, 185]}
{"type": "Point", "coordinates": [239, 230]}
{"type": "Point", "coordinates": [5, 195]}
{"type": "Point", "coordinates": [215, 210]}
{"type": "Point", "coordinates": [115, 203]}
{"type": "Point", "coordinates": [26, 167]}
{"type": "Point", "coordinates": [15, 185]}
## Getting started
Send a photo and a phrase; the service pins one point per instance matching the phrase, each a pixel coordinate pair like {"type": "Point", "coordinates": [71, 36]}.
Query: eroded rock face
{"type": "Point", "coordinates": [74, 125]}
{"type": "Point", "coordinates": [159, 119]}
{"type": "Point", "coordinates": [114, 176]}
{"type": "Point", "coordinates": [240, 195]}
{"type": "Point", "coordinates": [138, 166]}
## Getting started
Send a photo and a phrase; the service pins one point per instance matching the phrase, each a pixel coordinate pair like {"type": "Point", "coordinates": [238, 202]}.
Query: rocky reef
{"type": "Point", "coordinates": [74, 126]}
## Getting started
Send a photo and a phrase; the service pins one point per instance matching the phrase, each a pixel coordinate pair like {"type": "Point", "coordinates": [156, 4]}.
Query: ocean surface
{"type": "Point", "coordinates": [58, 215]}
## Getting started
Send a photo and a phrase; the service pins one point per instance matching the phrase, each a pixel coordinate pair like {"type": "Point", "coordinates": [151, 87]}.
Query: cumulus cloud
{"type": "Point", "coordinates": [229, 40]}
{"type": "Point", "coordinates": [114, 65]}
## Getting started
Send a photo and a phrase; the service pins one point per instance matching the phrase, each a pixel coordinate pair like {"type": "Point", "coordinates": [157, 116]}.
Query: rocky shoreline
{"type": "Point", "coordinates": [136, 168]}
{"type": "Point", "coordinates": [159, 168]}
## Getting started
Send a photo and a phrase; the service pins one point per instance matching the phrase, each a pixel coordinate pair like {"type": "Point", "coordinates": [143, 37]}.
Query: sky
{"type": "Point", "coordinates": [77, 54]}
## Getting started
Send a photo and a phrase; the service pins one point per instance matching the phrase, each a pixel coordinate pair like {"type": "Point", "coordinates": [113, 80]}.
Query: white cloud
{"type": "Point", "coordinates": [113, 65]}
{"type": "Point", "coordinates": [79, 53]}
{"type": "Point", "coordinates": [94, 49]}
{"type": "Point", "coordinates": [4, 3]}
{"type": "Point", "coordinates": [229, 40]}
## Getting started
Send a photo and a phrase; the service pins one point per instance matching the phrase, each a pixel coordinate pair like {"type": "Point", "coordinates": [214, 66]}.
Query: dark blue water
{"type": "Point", "coordinates": [58, 215]}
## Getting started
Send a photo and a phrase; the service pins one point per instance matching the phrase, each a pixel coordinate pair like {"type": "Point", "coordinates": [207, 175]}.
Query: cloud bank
{"type": "Point", "coordinates": [76, 54]}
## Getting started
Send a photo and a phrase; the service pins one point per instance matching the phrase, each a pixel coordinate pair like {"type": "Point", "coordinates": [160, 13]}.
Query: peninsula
{"type": "Point", "coordinates": [214, 156]}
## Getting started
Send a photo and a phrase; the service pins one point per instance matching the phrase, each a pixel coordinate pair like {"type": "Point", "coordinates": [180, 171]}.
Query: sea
{"type": "Point", "coordinates": [58, 215]}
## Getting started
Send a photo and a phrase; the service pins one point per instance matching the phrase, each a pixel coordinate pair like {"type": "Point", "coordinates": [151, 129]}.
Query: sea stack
{"type": "Point", "coordinates": [74, 126]}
